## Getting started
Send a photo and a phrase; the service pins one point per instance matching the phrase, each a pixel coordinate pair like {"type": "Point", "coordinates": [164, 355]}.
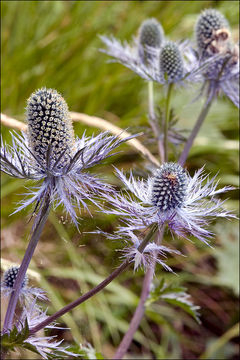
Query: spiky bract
{"type": "Point", "coordinates": [183, 68]}
{"type": "Point", "coordinates": [185, 215]}
{"type": "Point", "coordinates": [63, 166]}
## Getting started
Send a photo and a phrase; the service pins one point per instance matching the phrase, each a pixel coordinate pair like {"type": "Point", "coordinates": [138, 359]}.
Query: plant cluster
{"type": "Point", "coordinates": [169, 199]}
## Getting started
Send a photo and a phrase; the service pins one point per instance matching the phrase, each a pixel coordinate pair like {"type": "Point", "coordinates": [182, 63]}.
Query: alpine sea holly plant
{"type": "Point", "coordinates": [168, 199]}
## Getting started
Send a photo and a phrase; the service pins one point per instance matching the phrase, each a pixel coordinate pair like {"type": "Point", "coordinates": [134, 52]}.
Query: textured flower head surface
{"type": "Point", "coordinates": [45, 345]}
{"type": "Point", "coordinates": [27, 293]}
{"type": "Point", "coordinates": [49, 152]}
{"type": "Point", "coordinates": [151, 35]}
{"type": "Point", "coordinates": [171, 196]}
{"type": "Point", "coordinates": [214, 41]}
{"type": "Point", "coordinates": [147, 58]}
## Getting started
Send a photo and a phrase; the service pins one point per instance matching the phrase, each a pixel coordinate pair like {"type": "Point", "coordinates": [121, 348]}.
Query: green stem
{"type": "Point", "coordinates": [153, 120]}
{"type": "Point", "coordinates": [166, 121]}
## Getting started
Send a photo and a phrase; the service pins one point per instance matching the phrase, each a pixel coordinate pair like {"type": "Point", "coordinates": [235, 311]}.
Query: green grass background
{"type": "Point", "coordinates": [55, 44]}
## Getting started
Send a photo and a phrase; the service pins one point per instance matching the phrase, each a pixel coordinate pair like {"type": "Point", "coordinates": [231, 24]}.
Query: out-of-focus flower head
{"type": "Point", "coordinates": [152, 57]}
{"type": "Point", "coordinates": [50, 152]}
{"type": "Point", "coordinates": [151, 35]}
{"type": "Point", "coordinates": [214, 41]}
{"type": "Point", "coordinates": [27, 293]}
{"type": "Point", "coordinates": [171, 197]}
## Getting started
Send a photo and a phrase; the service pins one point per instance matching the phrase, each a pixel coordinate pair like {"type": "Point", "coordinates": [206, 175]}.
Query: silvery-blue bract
{"type": "Point", "coordinates": [50, 154]}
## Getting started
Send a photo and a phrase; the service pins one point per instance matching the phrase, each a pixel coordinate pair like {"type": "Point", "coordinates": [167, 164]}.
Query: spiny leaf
{"type": "Point", "coordinates": [174, 295]}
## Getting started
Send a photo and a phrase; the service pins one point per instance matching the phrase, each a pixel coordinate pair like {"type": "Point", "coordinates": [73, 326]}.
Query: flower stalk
{"type": "Point", "coordinates": [36, 232]}
{"type": "Point", "coordinates": [166, 120]}
{"type": "Point", "coordinates": [153, 120]}
{"type": "Point", "coordinates": [195, 130]}
{"type": "Point", "coordinates": [96, 289]}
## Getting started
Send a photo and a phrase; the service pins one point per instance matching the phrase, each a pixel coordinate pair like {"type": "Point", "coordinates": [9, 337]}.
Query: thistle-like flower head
{"type": "Point", "coordinates": [214, 43]}
{"type": "Point", "coordinates": [49, 152]}
{"type": "Point", "coordinates": [150, 39]}
{"type": "Point", "coordinates": [50, 127]}
{"type": "Point", "coordinates": [10, 276]}
{"type": "Point", "coordinates": [211, 25]}
{"type": "Point", "coordinates": [171, 62]}
{"type": "Point", "coordinates": [171, 196]}
{"type": "Point", "coordinates": [151, 63]}
{"type": "Point", "coordinates": [169, 187]}
{"type": "Point", "coordinates": [27, 293]}
{"type": "Point", "coordinates": [151, 33]}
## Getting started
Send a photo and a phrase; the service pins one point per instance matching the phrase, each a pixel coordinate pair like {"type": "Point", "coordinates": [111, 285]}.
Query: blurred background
{"type": "Point", "coordinates": [55, 44]}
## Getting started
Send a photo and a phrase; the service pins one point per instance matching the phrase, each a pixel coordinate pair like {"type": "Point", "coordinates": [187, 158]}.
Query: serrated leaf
{"type": "Point", "coordinates": [15, 338]}
{"type": "Point", "coordinates": [85, 352]}
{"type": "Point", "coordinates": [174, 295]}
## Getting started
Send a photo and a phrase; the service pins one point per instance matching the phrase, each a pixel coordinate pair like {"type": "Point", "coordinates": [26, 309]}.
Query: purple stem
{"type": "Point", "coordinates": [140, 310]}
{"type": "Point", "coordinates": [195, 130]}
{"type": "Point", "coordinates": [36, 232]}
{"type": "Point", "coordinates": [138, 315]}
{"type": "Point", "coordinates": [95, 290]}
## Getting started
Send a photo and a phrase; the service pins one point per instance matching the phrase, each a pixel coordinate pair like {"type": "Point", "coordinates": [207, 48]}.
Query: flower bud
{"type": "Point", "coordinates": [211, 28]}
{"type": "Point", "coordinates": [151, 33]}
{"type": "Point", "coordinates": [49, 126]}
{"type": "Point", "coordinates": [171, 62]}
{"type": "Point", "coordinates": [10, 276]}
{"type": "Point", "coordinates": [169, 186]}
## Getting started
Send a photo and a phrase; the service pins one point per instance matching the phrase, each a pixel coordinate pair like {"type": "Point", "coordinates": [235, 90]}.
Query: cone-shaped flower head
{"type": "Point", "coordinates": [171, 62]}
{"type": "Point", "coordinates": [49, 152]}
{"type": "Point", "coordinates": [214, 42]}
{"type": "Point", "coordinates": [170, 196]}
{"type": "Point", "coordinates": [211, 25]}
{"type": "Point", "coordinates": [49, 126]}
{"type": "Point", "coordinates": [10, 276]}
{"type": "Point", "coordinates": [150, 39]}
{"type": "Point", "coordinates": [169, 186]}
{"type": "Point", "coordinates": [27, 293]}
{"type": "Point", "coordinates": [151, 33]}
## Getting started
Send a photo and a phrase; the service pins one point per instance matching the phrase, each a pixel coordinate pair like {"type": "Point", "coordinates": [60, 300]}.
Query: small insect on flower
{"type": "Point", "coordinates": [172, 197]}
{"type": "Point", "coordinates": [27, 293]}
{"type": "Point", "coordinates": [49, 152]}
{"type": "Point", "coordinates": [214, 41]}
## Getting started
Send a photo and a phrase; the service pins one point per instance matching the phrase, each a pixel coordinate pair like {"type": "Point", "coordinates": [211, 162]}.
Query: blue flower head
{"type": "Point", "coordinates": [171, 62]}
{"type": "Point", "coordinates": [150, 36]}
{"type": "Point", "coordinates": [214, 42]}
{"type": "Point", "coordinates": [154, 58]}
{"type": "Point", "coordinates": [171, 197]}
{"type": "Point", "coordinates": [50, 153]}
{"type": "Point", "coordinates": [209, 26]}
{"type": "Point", "coordinates": [27, 293]}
